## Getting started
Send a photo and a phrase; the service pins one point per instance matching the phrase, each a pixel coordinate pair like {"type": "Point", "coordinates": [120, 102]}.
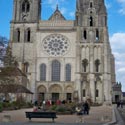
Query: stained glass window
{"type": "Point", "coordinates": [68, 72]}
{"type": "Point", "coordinates": [56, 70]}
{"type": "Point", "coordinates": [43, 72]}
{"type": "Point", "coordinates": [25, 6]}
{"type": "Point", "coordinates": [56, 44]}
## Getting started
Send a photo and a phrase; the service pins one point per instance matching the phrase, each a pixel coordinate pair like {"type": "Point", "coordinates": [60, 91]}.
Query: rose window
{"type": "Point", "coordinates": [56, 44]}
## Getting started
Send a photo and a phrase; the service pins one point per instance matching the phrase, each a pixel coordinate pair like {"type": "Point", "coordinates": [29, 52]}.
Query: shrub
{"type": "Point", "coordinates": [60, 108]}
{"type": "Point", "coordinates": [1, 107]}
{"type": "Point", "coordinates": [53, 107]}
{"type": "Point", "coordinates": [6, 104]}
{"type": "Point", "coordinates": [29, 104]}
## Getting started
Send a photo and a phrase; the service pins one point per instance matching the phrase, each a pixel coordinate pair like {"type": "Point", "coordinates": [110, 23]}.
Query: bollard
{"type": "Point", "coordinates": [6, 118]}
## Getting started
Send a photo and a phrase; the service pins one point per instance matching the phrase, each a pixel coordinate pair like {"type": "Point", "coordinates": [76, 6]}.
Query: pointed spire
{"type": "Point", "coordinates": [57, 7]}
{"type": "Point", "coordinates": [56, 14]}
{"type": "Point", "coordinates": [77, 4]}
{"type": "Point", "coordinates": [102, 1]}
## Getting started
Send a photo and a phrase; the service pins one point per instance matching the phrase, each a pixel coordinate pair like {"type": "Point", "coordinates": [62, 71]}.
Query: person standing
{"type": "Point", "coordinates": [118, 104]}
{"type": "Point", "coordinates": [86, 108]}
{"type": "Point", "coordinates": [44, 105]}
{"type": "Point", "coordinates": [121, 104]}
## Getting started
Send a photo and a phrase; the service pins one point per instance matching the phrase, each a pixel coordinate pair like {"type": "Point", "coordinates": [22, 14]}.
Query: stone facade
{"type": "Point", "coordinates": [117, 92]}
{"type": "Point", "coordinates": [64, 59]}
{"type": "Point", "coordinates": [123, 97]}
{"type": "Point", "coordinates": [14, 84]}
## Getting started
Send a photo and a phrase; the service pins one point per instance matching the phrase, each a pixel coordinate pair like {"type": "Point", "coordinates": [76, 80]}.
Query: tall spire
{"type": "Point", "coordinates": [102, 1]}
{"type": "Point", "coordinates": [57, 7]}
{"type": "Point", "coordinates": [78, 4]}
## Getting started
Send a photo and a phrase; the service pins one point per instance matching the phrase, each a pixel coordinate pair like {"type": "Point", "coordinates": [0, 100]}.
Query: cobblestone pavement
{"type": "Point", "coordinates": [98, 115]}
{"type": "Point", "coordinates": [17, 123]}
{"type": "Point", "coordinates": [122, 113]}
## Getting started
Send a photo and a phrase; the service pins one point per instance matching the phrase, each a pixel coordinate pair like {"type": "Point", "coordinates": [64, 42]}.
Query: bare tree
{"type": "Point", "coordinates": [9, 60]}
{"type": "Point", "coordinates": [3, 45]}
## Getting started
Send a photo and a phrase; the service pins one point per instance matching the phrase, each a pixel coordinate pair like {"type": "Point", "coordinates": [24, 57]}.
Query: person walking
{"type": "Point", "coordinates": [121, 104]}
{"type": "Point", "coordinates": [118, 104]}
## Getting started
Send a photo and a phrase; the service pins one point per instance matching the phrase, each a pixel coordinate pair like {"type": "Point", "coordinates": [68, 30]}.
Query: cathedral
{"type": "Point", "coordinates": [64, 59]}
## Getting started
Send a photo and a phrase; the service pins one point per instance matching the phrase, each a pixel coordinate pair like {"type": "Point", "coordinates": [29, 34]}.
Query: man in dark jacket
{"type": "Point", "coordinates": [86, 108]}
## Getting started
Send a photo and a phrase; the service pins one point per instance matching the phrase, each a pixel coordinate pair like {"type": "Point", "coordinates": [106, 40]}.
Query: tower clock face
{"type": "Point", "coordinates": [56, 45]}
{"type": "Point", "coordinates": [25, 16]}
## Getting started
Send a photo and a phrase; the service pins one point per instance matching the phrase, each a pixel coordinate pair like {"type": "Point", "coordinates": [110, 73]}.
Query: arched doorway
{"type": "Point", "coordinates": [55, 91]}
{"type": "Point", "coordinates": [69, 93]}
{"type": "Point", "coordinates": [41, 93]}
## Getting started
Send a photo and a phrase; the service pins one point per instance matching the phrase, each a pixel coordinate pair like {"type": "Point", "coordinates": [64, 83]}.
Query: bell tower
{"type": "Point", "coordinates": [94, 56]}
{"type": "Point", "coordinates": [91, 13]}
{"type": "Point", "coordinates": [91, 17]}
{"type": "Point", "coordinates": [23, 30]}
{"type": "Point", "coordinates": [26, 16]}
{"type": "Point", "coordinates": [26, 10]}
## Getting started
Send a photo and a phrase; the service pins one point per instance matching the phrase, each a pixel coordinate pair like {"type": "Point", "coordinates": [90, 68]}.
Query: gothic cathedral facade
{"type": "Point", "coordinates": [64, 59]}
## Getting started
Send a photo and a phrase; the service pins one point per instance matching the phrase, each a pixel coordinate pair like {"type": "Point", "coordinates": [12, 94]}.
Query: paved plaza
{"type": "Point", "coordinates": [121, 116]}
{"type": "Point", "coordinates": [98, 115]}
{"type": "Point", "coordinates": [103, 115]}
{"type": "Point", "coordinates": [122, 112]}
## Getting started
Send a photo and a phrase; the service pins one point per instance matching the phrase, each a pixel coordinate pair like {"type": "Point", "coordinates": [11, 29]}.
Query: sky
{"type": "Point", "coordinates": [116, 25]}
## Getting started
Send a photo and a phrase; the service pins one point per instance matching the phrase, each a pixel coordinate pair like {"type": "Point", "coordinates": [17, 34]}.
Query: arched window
{"type": "Point", "coordinates": [84, 93]}
{"type": "Point", "coordinates": [105, 19]}
{"type": "Point", "coordinates": [85, 64]}
{"type": "Point", "coordinates": [68, 72]}
{"type": "Point", "coordinates": [28, 7]}
{"type": "Point", "coordinates": [97, 34]}
{"type": "Point", "coordinates": [18, 35]}
{"type": "Point", "coordinates": [97, 93]}
{"type": "Point", "coordinates": [56, 70]}
{"type": "Point", "coordinates": [43, 72]}
{"type": "Point", "coordinates": [26, 67]}
{"type": "Point", "coordinates": [85, 34]}
{"type": "Point", "coordinates": [28, 35]}
{"type": "Point", "coordinates": [91, 5]}
{"type": "Point", "coordinates": [97, 63]}
{"type": "Point", "coordinates": [91, 21]}
{"type": "Point", "coordinates": [25, 6]}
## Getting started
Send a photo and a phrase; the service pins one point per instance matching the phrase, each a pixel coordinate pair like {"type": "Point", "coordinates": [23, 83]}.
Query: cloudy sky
{"type": "Point", "coordinates": [116, 25]}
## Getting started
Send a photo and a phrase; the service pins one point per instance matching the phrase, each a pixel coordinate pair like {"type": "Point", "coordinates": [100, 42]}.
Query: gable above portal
{"type": "Point", "coordinates": [57, 15]}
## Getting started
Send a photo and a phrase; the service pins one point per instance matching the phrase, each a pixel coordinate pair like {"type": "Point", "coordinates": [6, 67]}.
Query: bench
{"type": "Point", "coordinates": [41, 115]}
